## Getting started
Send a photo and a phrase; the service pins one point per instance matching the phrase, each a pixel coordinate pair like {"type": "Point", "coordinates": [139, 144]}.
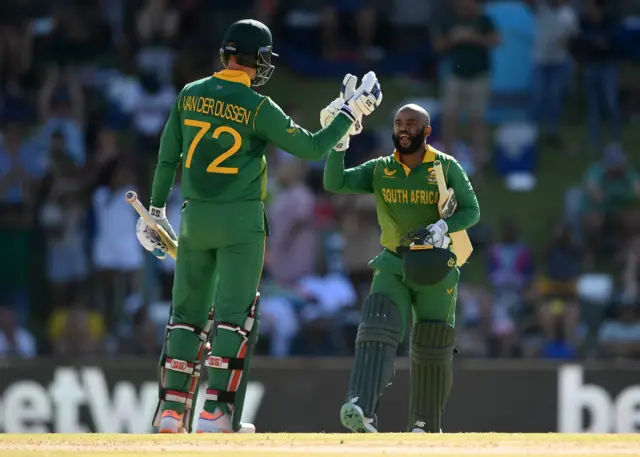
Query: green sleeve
{"type": "Point", "coordinates": [468, 212]}
{"type": "Point", "coordinates": [357, 180]}
{"type": "Point", "coordinates": [278, 128]}
{"type": "Point", "coordinates": [168, 157]}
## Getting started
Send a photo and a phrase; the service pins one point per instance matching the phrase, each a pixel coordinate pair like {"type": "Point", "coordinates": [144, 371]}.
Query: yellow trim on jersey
{"type": "Point", "coordinates": [257, 110]}
{"type": "Point", "coordinates": [429, 156]}
{"type": "Point", "coordinates": [234, 76]}
{"type": "Point", "coordinates": [453, 296]}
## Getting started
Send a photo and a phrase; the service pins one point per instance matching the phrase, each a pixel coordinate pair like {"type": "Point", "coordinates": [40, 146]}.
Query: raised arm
{"type": "Point", "coordinates": [468, 212]}
{"type": "Point", "coordinates": [168, 157]}
{"type": "Point", "coordinates": [278, 128]}
{"type": "Point", "coordinates": [357, 180]}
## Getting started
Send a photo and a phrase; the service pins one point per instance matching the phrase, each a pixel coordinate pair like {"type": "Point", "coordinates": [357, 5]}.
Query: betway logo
{"type": "Point", "coordinates": [29, 407]}
{"type": "Point", "coordinates": [605, 413]}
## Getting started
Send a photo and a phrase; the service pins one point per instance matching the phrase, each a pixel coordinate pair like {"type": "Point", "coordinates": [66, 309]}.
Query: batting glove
{"type": "Point", "coordinates": [365, 99]}
{"type": "Point", "coordinates": [437, 235]}
{"type": "Point", "coordinates": [326, 117]}
{"type": "Point", "coordinates": [148, 237]}
{"type": "Point", "coordinates": [348, 90]}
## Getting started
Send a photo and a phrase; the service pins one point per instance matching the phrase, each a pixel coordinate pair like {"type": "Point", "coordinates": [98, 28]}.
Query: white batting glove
{"type": "Point", "coordinates": [327, 115]}
{"type": "Point", "coordinates": [148, 237]}
{"type": "Point", "coordinates": [348, 90]}
{"type": "Point", "coordinates": [438, 235]}
{"type": "Point", "coordinates": [365, 99]}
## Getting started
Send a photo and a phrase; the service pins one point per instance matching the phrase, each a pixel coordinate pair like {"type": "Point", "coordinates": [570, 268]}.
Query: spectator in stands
{"type": "Point", "coordinates": [76, 331]}
{"type": "Point", "coordinates": [595, 45]}
{"type": "Point", "coordinates": [476, 324]}
{"type": "Point", "coordinates": [61, 109]}
{"type": "Point", "coordinates": [362, 13]}
{"type": "Point", "coordinates": [293, 241]}
{"type": "Point", "coordinates": [467, 41]}
{"type": "Point", "coordinates": [117, 257]}
{"type": "Point", "coordinates": [21, 169]}
{"type": "Point", "coordinates": [612, 202]}
{"type": "Point", "coordinates": [156, 28]}
{"type": "Point", "coordinates": [150, 103]}
{"type": "Point", "coordinates": [511, 269]}
{"type": "Point", "coordinates": [16, 39]}
{"type": "Point", "coordinates": [558, 311]}
{"type": "Point", "coordinates": [121, 91]}
{"type": "Point", "coordinates": [144, 335]}
{"type": "Point", "coordinates": [279, 322]}
{"type": "Point", "coordinates": [204, 22]}
{"type": "Point", "coordinates": [103, 160]}
{"type": "Point", "coordinates": [328, 294]}
{"type": "Point", "coordinates": [358, 224]}
{"type": "Point", "coordinates": [620, 336]}
{"type": "Point", "coordinates": [556, 25]}
{"type": "Point", "coordinates": [79, 35]}
{"type": "Point", "coordinates": [15, 340]}
{"type": "Point", "coordinates": [631, 274]}
{"type": "Point", "coordinates": [63, 216]}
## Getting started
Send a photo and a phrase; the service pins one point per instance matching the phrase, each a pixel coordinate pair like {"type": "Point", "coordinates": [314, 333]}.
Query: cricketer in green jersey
{"type": "Point", "coordinates": [406, 194]}
{"type": "Point", "coordinates": [219, 129]}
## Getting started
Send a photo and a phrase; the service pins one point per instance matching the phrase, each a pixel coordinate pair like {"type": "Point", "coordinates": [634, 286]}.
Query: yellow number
{"type": "Point", "coordinates": [204, 128]}
{"type": "Point", "coordinates": [237, 143]}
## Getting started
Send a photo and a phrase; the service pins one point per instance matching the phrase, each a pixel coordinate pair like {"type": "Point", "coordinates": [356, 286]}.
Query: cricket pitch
{"type": "Point", "coordinates": [321, 445]}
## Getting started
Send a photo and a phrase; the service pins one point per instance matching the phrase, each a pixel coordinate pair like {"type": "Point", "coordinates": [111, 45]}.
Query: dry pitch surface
{"type": "Point", "coordinates": [321, 445]}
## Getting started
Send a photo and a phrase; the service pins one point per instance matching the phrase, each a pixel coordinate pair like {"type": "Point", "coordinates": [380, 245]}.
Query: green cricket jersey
{"type": "Point", "coordinates": [405, 199]}
{"type": "Point", "coordinates": [220, 128]}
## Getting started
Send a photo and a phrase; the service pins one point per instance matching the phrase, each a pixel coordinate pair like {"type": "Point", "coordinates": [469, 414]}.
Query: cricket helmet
{"type": "Point", "coordinates": [251, 43]}
{"type": "Point", "coordinates": [422, 263]}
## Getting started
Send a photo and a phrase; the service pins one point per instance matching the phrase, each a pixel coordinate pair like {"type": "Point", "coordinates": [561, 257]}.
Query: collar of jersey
{"type": "Point", "coordinates": [234, 76]}
{"type": "Point", "coordinates": [429, 156]}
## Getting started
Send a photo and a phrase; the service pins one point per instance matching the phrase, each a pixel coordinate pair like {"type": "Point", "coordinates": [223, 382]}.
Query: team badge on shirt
{"type": "Point", "coordinates": [389, 173]}
{"type": "Point", "coordinates": [431, 176]}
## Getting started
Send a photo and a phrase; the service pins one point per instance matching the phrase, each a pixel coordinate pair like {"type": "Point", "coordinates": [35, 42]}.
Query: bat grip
{"type": "Point", "coordinates": [440, 179]}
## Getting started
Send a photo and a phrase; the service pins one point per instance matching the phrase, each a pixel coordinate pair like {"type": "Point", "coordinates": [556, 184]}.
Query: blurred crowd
{"type": "Point", "coordinates": [86, 87]}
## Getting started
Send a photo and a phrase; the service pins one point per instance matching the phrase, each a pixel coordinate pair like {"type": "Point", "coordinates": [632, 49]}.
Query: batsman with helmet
{"type": "Point", "coordinates": [416, 273]}
{"type": "Point", "coordinates": [219, 129]}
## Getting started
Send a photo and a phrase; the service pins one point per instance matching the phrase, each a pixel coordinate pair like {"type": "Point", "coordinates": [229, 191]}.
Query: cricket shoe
{"type": "Point", "coordinates": [171, 422]}
{"type": "Point", "coordinates": [220, 422]}
{"type": "Point", "coordinates": [421, 430]}
{"type": "Point", "coordinates": [353, 418]}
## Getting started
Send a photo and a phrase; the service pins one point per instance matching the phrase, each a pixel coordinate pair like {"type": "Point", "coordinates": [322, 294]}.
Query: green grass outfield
{"type": "Point", "coordinates": [321, 445]}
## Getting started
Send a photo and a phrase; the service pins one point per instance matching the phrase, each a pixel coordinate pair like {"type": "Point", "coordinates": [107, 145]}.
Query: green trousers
{"type": "Point", "coordinates": [220, 260]}
{"type": "Point", "coordinates": [425, 303]}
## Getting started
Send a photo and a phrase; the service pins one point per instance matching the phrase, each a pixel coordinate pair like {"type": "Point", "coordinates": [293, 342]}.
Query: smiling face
{"type": "Point", "coordinates": [410, 130]}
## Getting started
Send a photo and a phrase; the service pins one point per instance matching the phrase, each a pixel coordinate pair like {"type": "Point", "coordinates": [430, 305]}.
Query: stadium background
{"type": "Point", "coordinates": [86, 88]}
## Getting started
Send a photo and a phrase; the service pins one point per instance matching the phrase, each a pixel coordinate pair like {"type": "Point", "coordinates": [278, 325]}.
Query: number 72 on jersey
{"type": "Point", "coordinates": [204, 128]}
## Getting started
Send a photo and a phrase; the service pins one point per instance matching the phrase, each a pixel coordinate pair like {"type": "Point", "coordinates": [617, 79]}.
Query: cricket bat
{"type": "Point", "coordinates": [172, 246]}
{"type": "Point", "coordinates": [461, 244]}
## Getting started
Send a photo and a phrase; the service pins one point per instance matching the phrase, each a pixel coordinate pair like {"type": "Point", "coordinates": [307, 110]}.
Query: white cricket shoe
{"type": "Point", "coordinates": [171, 422]}
{"type": "Point", "coordinates": [419, 430]}
{"type": "Point", "coordinates": [220, 422]}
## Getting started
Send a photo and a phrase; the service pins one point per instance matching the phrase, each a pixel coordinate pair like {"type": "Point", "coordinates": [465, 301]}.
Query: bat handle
{"type": "Point", "coordinates": [130, 196]}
